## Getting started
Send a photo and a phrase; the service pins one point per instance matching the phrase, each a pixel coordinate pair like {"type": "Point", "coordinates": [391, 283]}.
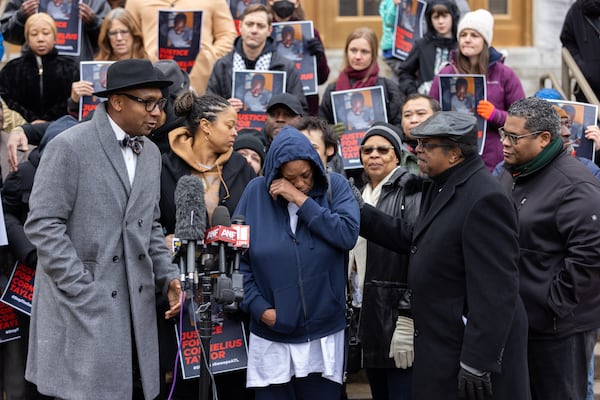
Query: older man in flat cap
{"type": "Point", "coordinates": [101, 251]}
{"type": "Point", "coordinates": [470, 327]}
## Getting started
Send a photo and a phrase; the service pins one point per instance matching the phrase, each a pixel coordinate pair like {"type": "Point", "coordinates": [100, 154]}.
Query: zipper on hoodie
{"type": "Point", "coordinates": [300, 282]}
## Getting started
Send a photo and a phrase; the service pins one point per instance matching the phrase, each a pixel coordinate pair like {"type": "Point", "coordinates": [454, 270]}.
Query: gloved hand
{"type": "Point", "coordinates": [486, 109]}
{"type": "Point", "coordinates": [474, 387]}
{"type": "Point", "coordinates": [338, 129]}
{"type": "Point", "coordinates": [315, 47]}
{"type": "Point", "coordinates": [357, 194]}
{"type": "Point", "coordinates": [401, 346]}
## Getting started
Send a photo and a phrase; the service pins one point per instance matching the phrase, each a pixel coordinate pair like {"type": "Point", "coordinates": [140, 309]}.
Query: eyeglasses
{"type": "Point", "coordinates": [427, 145]}
{"type": "Point", "coordinates": [514, 139]}
{"type": "Point", "coordinates": [123, 32]}
{"type": "Point", "coordinates": [149, 104]}
{"type": "Point", "coordinates": [382, 150]}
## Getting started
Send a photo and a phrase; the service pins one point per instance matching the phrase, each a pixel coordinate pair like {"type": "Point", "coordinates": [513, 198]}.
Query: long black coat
{"type": "Point", "coordinates": [386, 274]}
{"type": "Point", "coordinates": [464, 280]}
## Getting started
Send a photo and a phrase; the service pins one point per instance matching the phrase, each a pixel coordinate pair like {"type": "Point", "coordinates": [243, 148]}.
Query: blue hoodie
{"type": "Point", "coordinates": [301, 275]}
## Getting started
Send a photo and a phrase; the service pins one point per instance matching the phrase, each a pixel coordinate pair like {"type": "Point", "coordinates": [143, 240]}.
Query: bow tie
{"type": "Point", "coordinates": [135, 143]}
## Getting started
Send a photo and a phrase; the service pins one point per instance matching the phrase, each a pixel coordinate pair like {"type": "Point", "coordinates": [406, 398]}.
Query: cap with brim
{"type": "Point", "coordinates": [132, 74]}
{"type": "Point", "coordinates": [287, 100]}
{"type": "Point", "coordinates": [452, 125]}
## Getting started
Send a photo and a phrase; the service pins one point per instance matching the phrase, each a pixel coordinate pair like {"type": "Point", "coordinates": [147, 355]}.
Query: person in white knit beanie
{"type": "Point", "coordinates": [481, 21]}
{"type": "Point", "coordinates": [476, 56]}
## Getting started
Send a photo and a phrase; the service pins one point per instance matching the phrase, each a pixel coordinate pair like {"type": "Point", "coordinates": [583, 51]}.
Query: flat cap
{"type": "Point", "coordinates": [456, 126]}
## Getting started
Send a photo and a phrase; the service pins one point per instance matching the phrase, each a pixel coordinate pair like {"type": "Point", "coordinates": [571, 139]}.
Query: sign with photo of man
{"type": "Point", "coordinates": [408, 27]}
{"type": "Point", "coordinates": [290, 39]}
{"type": "Point", "coordinates": [462, 93]}
{"type": "Point", "coordinates": [357, 109]}
{"type": "Point", "coordinates": [95, 72]}
{"type": "Point", "coordinates": [179, 36]}
{"type": "Point", "coordinates": [255, 89]}
{"type": "Point", "coordinates": [579, 116]}
{"type": "Point", "coordinates": [68, 24]}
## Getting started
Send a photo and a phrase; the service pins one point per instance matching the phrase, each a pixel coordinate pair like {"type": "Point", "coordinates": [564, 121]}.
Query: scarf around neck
{"type": "Point", "coordinates": [539, 161]}
{"type": "Point", "coordinates": [351, 79]}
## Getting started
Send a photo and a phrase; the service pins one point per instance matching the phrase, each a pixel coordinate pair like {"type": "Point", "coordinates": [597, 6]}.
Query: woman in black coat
{"type": "Point", "coordinates": [38, 84]}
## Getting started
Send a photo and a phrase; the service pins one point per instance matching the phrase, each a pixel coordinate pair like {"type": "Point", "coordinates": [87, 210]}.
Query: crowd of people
{"type": "Point", "coordinates": [472, 267]}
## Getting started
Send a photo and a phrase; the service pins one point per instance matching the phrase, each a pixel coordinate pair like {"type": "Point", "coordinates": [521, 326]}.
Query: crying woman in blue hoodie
{"type": "Point", "coordinates": [302, 223]}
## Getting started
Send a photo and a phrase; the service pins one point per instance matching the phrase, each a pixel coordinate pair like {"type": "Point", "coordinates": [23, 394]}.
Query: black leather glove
{"type": "Point", "coordinates": [315, 47]}
{"type": "Point", "coordinates": [474, 387]}
{"type": "Point", "coordinates": [357, 194]}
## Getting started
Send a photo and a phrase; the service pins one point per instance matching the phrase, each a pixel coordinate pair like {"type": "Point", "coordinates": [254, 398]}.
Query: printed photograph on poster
{"type": "Point", "coordinates": [95, 72]}
{"type": "Point", "coordinates": [408, 27]}
{"type": "Point", "coordinates": [255, 89]}
{"type": "Point", "coordinates": [228, 347]}
{"type": "Point", "coordinates": [462, 93]}
{"type": "Point", "coordinates": [357, 109]}
{"type": "Point", "coordinates": [9, 324]}
{"type": "Point", "coordinates": [68, 24]}
{"type": "Point", "coordinates": [179, 36]}
{"type": "Point", "coordinates": [290, 39]}
{"type": "Point", "coordinates": [579, 115]}
{"type": "Point", "coordinates": [237, 7]}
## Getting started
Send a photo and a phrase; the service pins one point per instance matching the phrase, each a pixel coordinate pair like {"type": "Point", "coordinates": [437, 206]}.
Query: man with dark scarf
{"type": "Point", "coordinates": [558, 202]}
{"type": "Point", "coordinates": [581, 36]}
{"type": "Point", "coordinates": [253, 50]}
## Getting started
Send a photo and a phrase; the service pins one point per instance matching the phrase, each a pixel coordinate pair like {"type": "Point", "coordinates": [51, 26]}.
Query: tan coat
{"type": "Point", "coordinates": [218, 32]}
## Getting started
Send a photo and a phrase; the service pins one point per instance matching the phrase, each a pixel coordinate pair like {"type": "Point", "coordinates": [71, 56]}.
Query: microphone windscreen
{"type": "Point", "coordinates": [190, 210]}
{"type": "Point", "coordinates": [221, 216]}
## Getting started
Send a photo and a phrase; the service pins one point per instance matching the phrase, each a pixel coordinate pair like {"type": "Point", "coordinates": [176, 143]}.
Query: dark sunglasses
{"type": "Point", "coordinates": [383, 150]}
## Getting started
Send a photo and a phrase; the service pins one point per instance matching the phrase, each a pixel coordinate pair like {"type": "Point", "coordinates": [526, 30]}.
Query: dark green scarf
{"type": "Point", "coordinates": [539, 161]}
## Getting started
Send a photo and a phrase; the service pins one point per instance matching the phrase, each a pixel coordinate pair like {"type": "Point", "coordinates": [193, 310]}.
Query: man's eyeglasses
{"type": "Point", "coordinates": [149, 104]}
{"type": "Point", "coordinates": [123, 32]}
{"type": "Point", "coordinates": [427, 145]}
{"type": "Point", "coordinates": [382, 150]}
{"type": "Point", "coordinates": [514, 139]}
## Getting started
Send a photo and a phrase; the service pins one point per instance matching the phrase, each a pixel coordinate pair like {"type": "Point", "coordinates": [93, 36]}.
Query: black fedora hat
{"type": "Point", "coordinates": [132, 74]}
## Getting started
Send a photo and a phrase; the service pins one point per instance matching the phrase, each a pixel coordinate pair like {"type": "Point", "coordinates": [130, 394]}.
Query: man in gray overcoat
{"type": "Point", "coordinates": [101, 252]}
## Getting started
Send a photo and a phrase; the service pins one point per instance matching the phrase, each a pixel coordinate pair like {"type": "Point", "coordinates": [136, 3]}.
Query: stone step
{"type": "Point", "coordinates": [357, 386]}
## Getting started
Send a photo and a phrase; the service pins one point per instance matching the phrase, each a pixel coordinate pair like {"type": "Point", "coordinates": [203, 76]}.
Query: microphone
{"type": "Point", "coordinates": [222, 234]}
{"type": "Point", "coordinates": [238, 222]}
{"type": "Point", "coordinates": [190, 220]}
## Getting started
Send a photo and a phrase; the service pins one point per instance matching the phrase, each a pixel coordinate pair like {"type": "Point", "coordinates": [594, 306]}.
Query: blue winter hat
{"type": "Point", "coordinates": [548, 94]}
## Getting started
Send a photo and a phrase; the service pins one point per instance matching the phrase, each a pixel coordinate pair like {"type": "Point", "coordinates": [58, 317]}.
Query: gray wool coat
{"type": "Point", "coordinates": [101, 253]}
